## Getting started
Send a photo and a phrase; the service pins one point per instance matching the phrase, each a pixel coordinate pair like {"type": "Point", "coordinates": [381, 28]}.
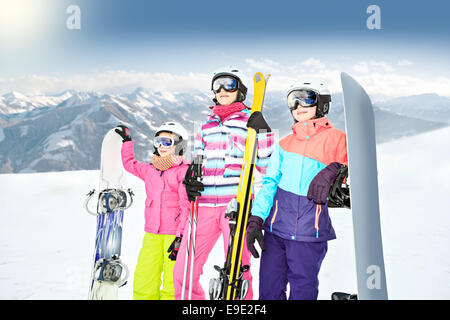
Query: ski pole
{"type": "Point", "coordinates": [192, 232]}
{"type": "Point", "coordinates": [183, 288]}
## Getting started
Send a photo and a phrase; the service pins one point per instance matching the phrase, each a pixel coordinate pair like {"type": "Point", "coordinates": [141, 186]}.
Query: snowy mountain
{"type": "Point", "coordinates": [428, 106]}
{"type": "Point", "coordinates": [389, 124]}
{"type": "Point", "coordinates": [68, 136]}
{"type": "Point", "coordinates": [16, 102]}
{"type": "Point", "coordinates": [41, 133]}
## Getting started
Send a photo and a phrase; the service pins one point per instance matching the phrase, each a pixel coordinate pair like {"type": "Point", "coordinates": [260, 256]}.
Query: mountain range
{"type": "Point", "coordinates": [60, 132]}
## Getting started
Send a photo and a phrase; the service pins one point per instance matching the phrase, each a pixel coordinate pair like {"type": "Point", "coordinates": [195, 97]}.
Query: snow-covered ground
{"type": "Point", "coordinates": [47, 239]}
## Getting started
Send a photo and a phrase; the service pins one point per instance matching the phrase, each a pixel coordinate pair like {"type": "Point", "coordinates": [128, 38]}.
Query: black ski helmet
{"type": "Point", "coordinates": [234, 73]}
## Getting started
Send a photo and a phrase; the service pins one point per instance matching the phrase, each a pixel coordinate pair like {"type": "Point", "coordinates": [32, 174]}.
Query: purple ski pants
{"type": "Point", "coordinates": [289, 261]}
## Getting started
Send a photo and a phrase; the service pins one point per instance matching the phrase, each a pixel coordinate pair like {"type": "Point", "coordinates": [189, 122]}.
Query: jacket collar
{"type": "Point", "coordinates": [306, 129]}
{"type": "Point", "coordinates": [179, 160]}
{"type": "Point", "coordinates": [243, 113]}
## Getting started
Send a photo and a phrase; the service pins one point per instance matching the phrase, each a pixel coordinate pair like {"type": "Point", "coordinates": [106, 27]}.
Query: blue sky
{"type": "Point", "coordinates": [291, 39]}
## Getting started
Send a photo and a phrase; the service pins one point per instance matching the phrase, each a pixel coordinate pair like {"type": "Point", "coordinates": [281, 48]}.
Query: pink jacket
{"type": "Point", "coordinates": [167, 205]}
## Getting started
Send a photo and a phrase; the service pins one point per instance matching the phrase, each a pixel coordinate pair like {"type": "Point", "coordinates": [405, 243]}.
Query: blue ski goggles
{"type": "Point", "coordinates": [227, 83]}
{"type": "Point", "coordinates": [304, 98]}
{"type": "Point", "coordinates": [164, 142]}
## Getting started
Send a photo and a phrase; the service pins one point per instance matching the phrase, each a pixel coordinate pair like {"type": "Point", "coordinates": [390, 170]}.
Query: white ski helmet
{"type": "Point", "coordinates": [323, 94]}
{"type": "Point", "coordinates": [180, 131]}
{"type": "Point", "coordinates": [234, 73]}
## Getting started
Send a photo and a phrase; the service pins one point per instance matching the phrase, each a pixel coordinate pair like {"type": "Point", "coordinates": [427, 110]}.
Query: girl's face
{"type": "Point", "coordinates": [303, 114]}
{"type": "Point", "coordinates": [163, 152]}
{"type": "Point", "coordinates": [225, 98]}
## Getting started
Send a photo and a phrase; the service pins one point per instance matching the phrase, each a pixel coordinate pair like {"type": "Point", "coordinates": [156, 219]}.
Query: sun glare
{"type": "Point", "coordinates": [20, 20]}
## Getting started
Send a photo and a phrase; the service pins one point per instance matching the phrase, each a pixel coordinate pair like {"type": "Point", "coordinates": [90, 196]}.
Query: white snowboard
{"type": "Point", "coordinates": [109, 224]}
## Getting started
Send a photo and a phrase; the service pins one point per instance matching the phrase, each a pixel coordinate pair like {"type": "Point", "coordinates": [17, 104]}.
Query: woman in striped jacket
{"type": "Point", "coordinates": [221, 141]}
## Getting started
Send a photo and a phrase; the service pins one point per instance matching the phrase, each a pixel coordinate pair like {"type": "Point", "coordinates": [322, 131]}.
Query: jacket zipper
{"type": "Point", "coordinates": [316, 222]}
{"type": "Point", "coordinates": [296, 225]}
{"type": "Point", "coordinates": [274, 215]}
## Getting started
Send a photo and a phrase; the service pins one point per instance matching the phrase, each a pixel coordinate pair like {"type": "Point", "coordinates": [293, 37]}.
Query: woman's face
{"type": "Point", "coordinates": [303, 114]}
{"type": "Point", "coordinates": [163, 152]}
{"type": "Point", "coordinates": [226, 98]}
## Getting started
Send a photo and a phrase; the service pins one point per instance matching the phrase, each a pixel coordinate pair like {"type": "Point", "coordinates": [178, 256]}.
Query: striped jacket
{"type": "Point", "coordinates": [222, 145]}
{"type": "Point", "coordinates": [282, 201]}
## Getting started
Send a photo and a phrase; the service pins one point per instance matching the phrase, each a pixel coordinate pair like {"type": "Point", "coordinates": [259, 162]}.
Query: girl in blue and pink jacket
{"type": "Point", "coordinates": [221, 141]}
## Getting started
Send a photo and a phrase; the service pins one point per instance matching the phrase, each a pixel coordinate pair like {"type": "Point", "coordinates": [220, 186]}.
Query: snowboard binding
{"type": "Point", "coordinates": [232, 212]}
{"type": "Point", "coordinates": [343, 296]}
{"type": "Point", "coordinates": [112, 271]}
{"type": "Point", "coordinates": [339, 195]}
{"type": "Point", "coordinates": [110, 200]}
{"type": "Point", "coordinates": [216, 287]}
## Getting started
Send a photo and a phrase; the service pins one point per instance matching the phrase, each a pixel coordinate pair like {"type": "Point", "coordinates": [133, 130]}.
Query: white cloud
{"type": "Point", "coordinates": [361, 67]}
{"type": "Point", "coordinates": [382, 65]}
{"type": "Point", "coordinates": [372, 66]}
{"type": "Point", "coordinates": [313, 63]}
{"type": "Point", "coordinates": [404, 62]}
{"type": "Point", "coordinates": [111, 81]}
{"type": "Point", "coordinates": [396, 84]}
{"type": "Point", "coordinates": [263, 64]}
{"type": "Point", "coordinates": [377, 77]}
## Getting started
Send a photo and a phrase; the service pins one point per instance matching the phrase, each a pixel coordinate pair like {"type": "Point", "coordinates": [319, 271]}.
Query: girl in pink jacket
{"type": "Point", "coordinates": [166, 208]}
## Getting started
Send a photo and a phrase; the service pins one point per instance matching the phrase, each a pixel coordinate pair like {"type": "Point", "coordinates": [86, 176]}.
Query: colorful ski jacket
{"type": "Point", "coordinates": [297, 158]}
{"type": "Point", "coordinates": [222, 145]}
{"type": "Point", "coordinates": [167, 205]}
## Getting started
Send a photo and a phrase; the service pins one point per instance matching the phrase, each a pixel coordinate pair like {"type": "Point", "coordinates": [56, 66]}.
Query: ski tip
{"type": "Point", "coordinates": [258, 76]}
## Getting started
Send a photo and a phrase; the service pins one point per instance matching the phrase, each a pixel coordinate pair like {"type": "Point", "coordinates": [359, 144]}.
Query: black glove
{"type": "Point", "coordinates": [193, 186]}
{"type": "Point", "coordinates": [124, 132]}
{"type": "Point", "coordinates": [254, 232]}
{"type": "Point", "coordinates": [257, 122]}
{"type": "Point", "coordinates": [322, 182]}
{"type": "Point", "coordinates": [174, 247]}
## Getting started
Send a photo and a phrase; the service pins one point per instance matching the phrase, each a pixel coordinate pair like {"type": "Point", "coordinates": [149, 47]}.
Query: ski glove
{"type": "Point", "coordinates": [193, 188]}
{"type": "Point", "coordinates": [322, 182]}
{"type": "Point", "coordinates": [174, 247]}
{"type": "Point", "coordinates": [124, 132]}
{"type": "Point", "coordinates": [257, 122]}
{"type": "Point", "coordinates": [254, 232]}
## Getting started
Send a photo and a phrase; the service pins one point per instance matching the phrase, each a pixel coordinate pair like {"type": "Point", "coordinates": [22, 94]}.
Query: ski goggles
{"type": "Point", "coordinates": [164, 142]}
{"type": "Point", "coordinates": [305, 98]}
{"type": "Point", "coordinates": [227, 83]}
